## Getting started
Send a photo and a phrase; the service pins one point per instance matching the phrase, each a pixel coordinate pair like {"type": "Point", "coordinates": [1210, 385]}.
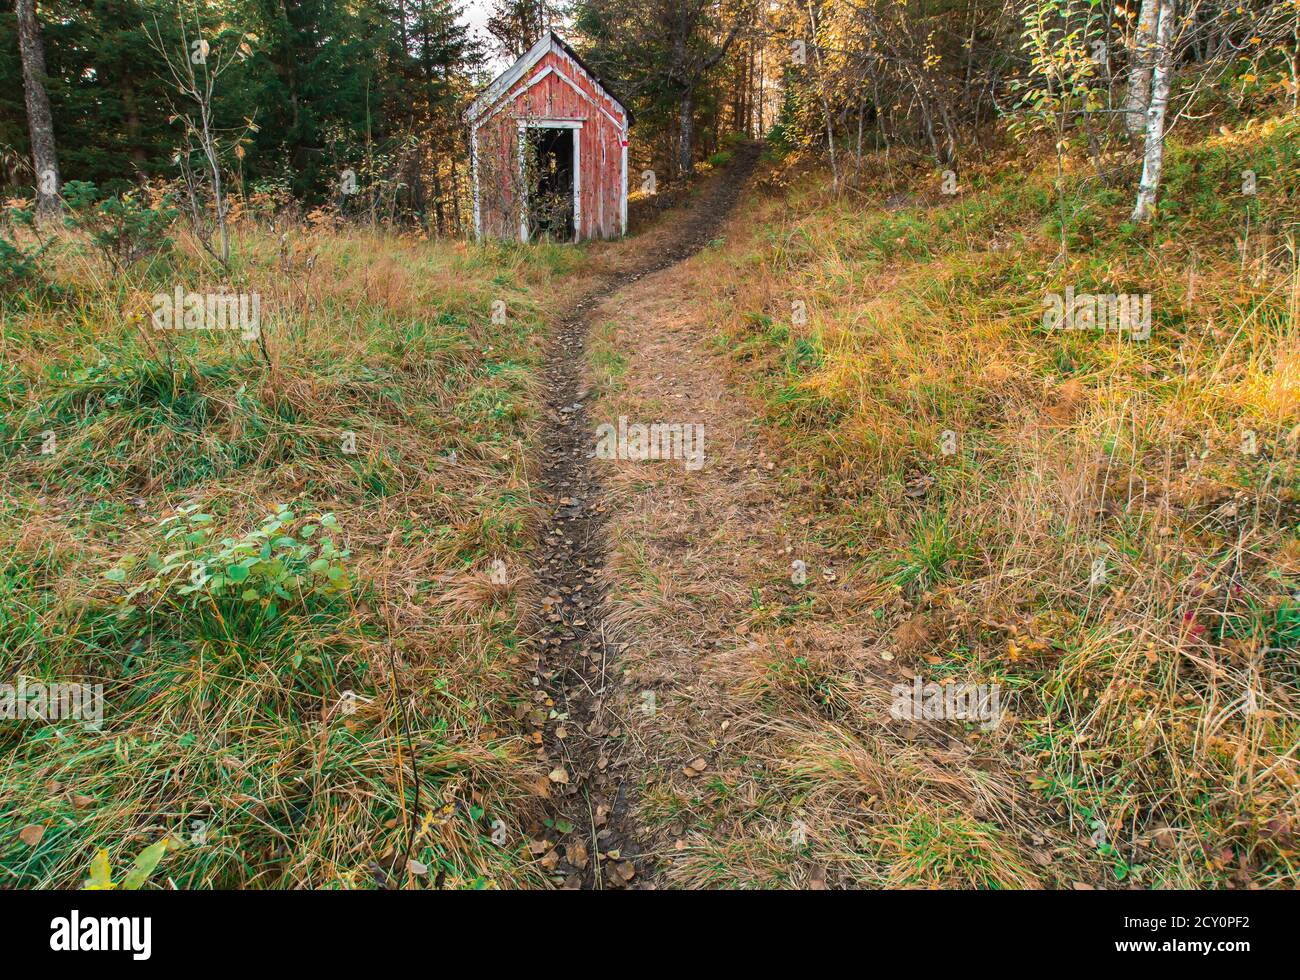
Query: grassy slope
{"type": "Point", "coordinates": [226, 705]}
{"type": "Point", "coordinates": [1163, 702]}
{"type": "Point", "coordinates": [1072, 447]}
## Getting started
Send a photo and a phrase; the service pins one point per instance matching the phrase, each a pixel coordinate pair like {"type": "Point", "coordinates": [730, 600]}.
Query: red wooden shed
{"type": "Point", "coordinates": [548, 148]}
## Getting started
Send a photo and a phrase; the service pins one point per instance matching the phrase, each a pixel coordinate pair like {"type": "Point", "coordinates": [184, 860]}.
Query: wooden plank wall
{"type": "Point", "coordinates": [601, 146]}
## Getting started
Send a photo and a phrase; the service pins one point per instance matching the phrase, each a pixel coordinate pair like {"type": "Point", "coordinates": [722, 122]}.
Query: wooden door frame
{"type": "Point", "coordinates": [545, 123]}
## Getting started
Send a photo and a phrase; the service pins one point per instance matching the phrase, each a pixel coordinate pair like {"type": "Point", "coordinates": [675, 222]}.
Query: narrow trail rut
{"type": "Point", "coordinates": [591, 776]}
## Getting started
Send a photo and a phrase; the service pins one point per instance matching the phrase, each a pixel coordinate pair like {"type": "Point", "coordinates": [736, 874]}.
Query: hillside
{"type": "Point", "coordinates": [622, 446]}
{"type": "Point", "coordinates": [1103, 529]}
{"type": "Point", "coordinates": [1148, 710]}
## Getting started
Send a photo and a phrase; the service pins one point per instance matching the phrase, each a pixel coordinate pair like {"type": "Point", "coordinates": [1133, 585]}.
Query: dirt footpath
{"type": "Point", "coordinates": [587, 840]}
{"type": "Point", "coordinates": [714, 687]}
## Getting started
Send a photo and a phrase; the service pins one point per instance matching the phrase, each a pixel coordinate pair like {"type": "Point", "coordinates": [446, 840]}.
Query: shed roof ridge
{"type": "Point", "coordinates": [503, 83]}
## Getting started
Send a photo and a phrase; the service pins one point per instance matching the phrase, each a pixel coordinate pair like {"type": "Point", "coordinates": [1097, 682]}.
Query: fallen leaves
{"type": "Point", "coordinates": [912, 635]}
{"type": "Point", "coordinates": [624, 871]}
{"type": "Point", "coordinates": [576, 854]}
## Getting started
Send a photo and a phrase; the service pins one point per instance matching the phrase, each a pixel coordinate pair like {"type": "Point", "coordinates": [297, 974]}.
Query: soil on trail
{"type": "Point", "coordinates": [591, 777]}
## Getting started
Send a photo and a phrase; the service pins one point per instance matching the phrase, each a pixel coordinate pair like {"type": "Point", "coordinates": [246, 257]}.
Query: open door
{"type": "Point", "coordinates": [548, 158]}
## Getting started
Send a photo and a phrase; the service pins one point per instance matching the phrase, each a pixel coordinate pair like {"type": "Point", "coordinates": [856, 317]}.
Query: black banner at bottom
{"type": "Point", "coordinates": [141, 931]}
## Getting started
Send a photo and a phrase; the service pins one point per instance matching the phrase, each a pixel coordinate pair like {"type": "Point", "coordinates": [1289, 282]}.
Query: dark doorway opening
{"type": "Point", "coordinates": [550, 187]}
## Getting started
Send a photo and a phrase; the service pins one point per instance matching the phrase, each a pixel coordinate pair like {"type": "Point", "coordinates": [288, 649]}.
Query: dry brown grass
{"type": "Point", "coordinates": [1152, 733]}
{"type": "Point", "coordinates": [807, 781]}
{"type": "Point", "coordinates": [366, 332]}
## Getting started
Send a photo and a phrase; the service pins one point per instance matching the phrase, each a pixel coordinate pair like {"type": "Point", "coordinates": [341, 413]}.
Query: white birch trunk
{"type": "Point", "coordinates": [1161, 80]}
{"type": "Point", "coordinates": [1138, 96]}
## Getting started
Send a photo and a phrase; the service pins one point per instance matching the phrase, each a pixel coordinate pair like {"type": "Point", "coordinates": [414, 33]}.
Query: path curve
{"type": "Point", "coordinates": [590, 783]}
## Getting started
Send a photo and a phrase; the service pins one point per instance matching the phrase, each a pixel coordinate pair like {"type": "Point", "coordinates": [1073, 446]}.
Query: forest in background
{"type": "Point", "coordinates": [285, 96]}
{"type": "Point", "coordinates": [279, 98]}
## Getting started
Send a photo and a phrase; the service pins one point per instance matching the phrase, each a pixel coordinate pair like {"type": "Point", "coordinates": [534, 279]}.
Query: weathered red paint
{"type": "Point", "coordinates": [555, 89]}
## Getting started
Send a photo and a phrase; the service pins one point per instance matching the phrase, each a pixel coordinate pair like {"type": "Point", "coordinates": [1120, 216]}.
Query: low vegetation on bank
{"type": "Point", "coordinates": [260, 543]}
{"type": "Point", "coordinates": [1104, 526]}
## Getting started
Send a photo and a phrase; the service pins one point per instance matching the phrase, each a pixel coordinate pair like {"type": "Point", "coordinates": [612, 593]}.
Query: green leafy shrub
{"type": "Point", "coordinates": [269, 567]}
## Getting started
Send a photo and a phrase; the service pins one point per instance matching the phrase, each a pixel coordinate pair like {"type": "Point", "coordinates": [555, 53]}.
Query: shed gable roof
{"type": "Point", "coordinates": [502, 84]}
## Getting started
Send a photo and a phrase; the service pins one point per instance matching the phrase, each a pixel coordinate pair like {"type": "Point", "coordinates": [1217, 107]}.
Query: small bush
{"type": "Point", "coordinates": [122, 227]}
{"type": "Point", "coordinates": [266, 569]}
{"type": "Point", "coordinates": [18, 266]}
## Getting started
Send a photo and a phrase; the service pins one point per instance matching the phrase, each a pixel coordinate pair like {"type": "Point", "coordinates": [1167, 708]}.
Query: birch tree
{"type": "Point", "coordinates": [1139, 76]}
{"type": "Point", "coordinates": [195, 71]}
{"type": "Point", "coordinates": [1162, 77]}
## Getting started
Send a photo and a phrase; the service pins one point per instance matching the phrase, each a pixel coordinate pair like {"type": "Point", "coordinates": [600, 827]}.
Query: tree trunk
{"type": "Point", "coordinates": [39, 120]}
{"type": "Point", "coordinates": [1139, 74]}
{"type": "Point", "coordinates": [131, 118]}
{"type": "Point", "coordinates": [826, 104]}
{"type": "Point", "coordinates": [286, 66]}
{"type": "Point", "coordinates": [685, 147]}
{"type": "Point", "coordinates": [440, 217]}
{"type": "Point", "coordinates": [1161, 82]}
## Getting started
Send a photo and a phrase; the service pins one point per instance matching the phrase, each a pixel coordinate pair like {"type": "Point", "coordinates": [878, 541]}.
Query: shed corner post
{"type": "Point", "coordinates": [523, 183]}
{"type": "Point", "coordinates": [622, 204]}
{"type": "Point", "coordinates": [473, 166]}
